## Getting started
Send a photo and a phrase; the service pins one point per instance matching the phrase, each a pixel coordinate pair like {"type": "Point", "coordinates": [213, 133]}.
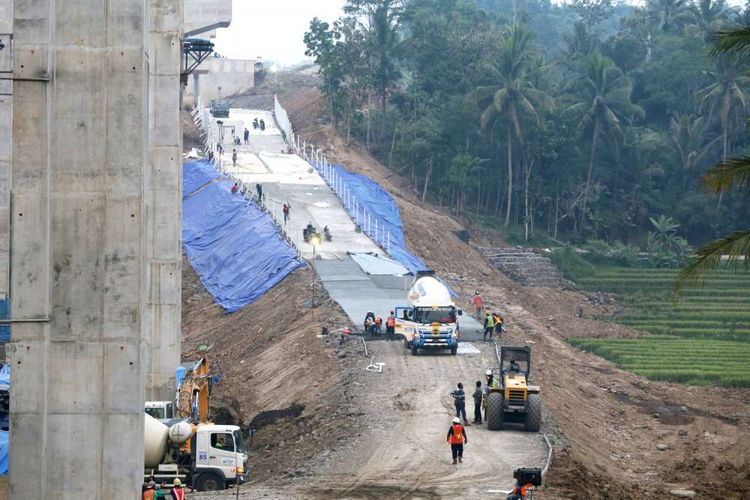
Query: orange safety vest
{"type": "Point", "coordinates": [178, 493]}
{"type": "Point", "coordinates": [148, 494]}
{"type": "Point", "coordinates": [390, 322]}
{"type": "Point", "coordinates": [458, 434]}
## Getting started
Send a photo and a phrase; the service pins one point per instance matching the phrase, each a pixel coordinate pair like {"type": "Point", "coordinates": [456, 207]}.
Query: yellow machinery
{"type": "Point", "coordinates": [511, 398]}
{"type": "Point", "coordinates": [195, 392]}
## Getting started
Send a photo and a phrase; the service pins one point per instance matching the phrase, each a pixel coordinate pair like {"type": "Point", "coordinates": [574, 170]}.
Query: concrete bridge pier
{"type": "Point", "coordinates": [78, 247]}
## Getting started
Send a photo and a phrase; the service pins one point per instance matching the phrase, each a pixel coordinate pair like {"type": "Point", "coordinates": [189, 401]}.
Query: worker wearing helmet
{"type": "Point", "coordinates": [457, 439]}
{"type": "Point", "coordinates": [178, 492]}
{"type": "Point", "coordinates": [148, 493]}
{"type": "Point", "coordinates": [478, 303]}
{"type": "Point", "coordinates": [390, 325]}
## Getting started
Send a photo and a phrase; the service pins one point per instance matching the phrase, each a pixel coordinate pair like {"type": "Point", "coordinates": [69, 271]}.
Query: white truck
{"type": "Point", "coordinates": [206, 457]}
{"type": "Point", "coordinates": [431, 319]}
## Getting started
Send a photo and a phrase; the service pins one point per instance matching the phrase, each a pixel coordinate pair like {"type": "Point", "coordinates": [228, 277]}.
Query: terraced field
{"type": "Point", "coordinates": [702, 338]}
{"type": "Point", "coordinates": [689, 361]}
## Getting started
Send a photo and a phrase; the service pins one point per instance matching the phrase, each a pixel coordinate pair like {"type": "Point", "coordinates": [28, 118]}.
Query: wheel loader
{"type": "Point", "coordinates": [510, 397]}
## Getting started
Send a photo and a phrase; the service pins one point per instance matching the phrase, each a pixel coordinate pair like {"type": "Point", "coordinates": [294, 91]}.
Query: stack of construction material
{"type": "Point", "coordinates": [524, 266]}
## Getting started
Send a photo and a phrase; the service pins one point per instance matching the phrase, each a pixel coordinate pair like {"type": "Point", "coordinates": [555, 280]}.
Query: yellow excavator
{"type": "Point", "coordinates": [510, 397]}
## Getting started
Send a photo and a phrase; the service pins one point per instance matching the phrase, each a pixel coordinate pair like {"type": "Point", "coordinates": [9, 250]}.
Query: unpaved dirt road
{"type": "Point", "coordinates": [406, 454]}
{"type": "Point", "coordinates": [402, 452]}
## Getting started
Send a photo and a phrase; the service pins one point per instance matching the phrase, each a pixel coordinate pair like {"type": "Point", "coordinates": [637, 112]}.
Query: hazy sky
{"type": "Point", "coordinates": [272, 29]}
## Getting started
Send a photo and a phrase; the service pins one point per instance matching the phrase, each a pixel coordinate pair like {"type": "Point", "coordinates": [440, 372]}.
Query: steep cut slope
{"type": "Point", "coordinates": [278, 376]}
{"type": "Point", "coordinates": [608, 422]}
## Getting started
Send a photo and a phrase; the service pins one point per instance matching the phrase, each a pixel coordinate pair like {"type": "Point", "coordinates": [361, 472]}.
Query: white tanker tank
{"type": "Point", "coordinates": [216, 459]}
{"type": "Point", "coordinates": [431, 319]}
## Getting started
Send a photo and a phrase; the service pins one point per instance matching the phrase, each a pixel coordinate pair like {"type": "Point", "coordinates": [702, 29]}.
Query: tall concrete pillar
{"type": "Point", "coordinates": [6, 149]}
{"type": "Point", "coordinates": [78, 248]}
{"type": "Point", "coordinates": [161, 328]}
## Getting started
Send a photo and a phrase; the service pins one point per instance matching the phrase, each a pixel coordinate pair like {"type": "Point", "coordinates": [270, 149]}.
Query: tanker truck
{"type": "Point", "coordinates": [205, 457]}
{"type": "Point", "coordinates": [430, 321]}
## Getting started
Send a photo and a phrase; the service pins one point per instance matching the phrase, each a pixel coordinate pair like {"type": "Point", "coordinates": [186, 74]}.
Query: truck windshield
{"type": "Point", "coordinates": [441, 315]}
{"type": "Point", "coordinates": [157, 413]}
{"type": "Point", "coordinates": [239, 441]}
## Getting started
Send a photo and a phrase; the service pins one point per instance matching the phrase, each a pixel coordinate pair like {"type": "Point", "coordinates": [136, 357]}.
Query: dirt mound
{"type": "Point", "coordinates": [606, 444]}
{"type": "Point", "coordinates": [279, 378]}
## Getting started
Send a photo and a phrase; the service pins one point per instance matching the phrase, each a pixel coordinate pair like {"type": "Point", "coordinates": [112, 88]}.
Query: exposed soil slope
{"type": "Point", "coordinates": [278, 376]}
{"type": "Point", "coordinates": [609, 422]}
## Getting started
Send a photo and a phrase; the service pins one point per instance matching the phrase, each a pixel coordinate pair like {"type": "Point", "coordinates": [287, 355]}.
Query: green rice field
{"type": "Point", "coordinates": [703, 338]}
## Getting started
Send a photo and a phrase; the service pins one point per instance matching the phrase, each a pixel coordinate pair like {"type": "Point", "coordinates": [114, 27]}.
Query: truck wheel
{"type": "Point", "coordinates": [533, 413]}
{"type": "Point", "coordinates": [414, 349]}
{"type": "Point", "coordinates": [454, 350]}
{"type": "Point", "coordinates": [209, 481]}
{"type": "Point", "coordinates": [406, 344]}
{"type": "Point", "coordinates": [494, 414]}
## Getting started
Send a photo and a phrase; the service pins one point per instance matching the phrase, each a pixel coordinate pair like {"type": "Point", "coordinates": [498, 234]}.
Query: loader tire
{"type": "Point", "coordinates": [454, 350]}
{"type": "Point", "coordinates": [494, 414]}
{"type": "Point", "coordinates": [414, 349]}
{"type": "Point", "coordinates": [533, 413]}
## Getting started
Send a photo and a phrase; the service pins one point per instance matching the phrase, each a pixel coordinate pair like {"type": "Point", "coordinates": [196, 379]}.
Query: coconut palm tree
{"type": "Point", "coordinates": [730, 174]}
{"type": "Point", "coordinates": [687, 139]}
{"type": "Point", "coordinates": [709, 14]}
{"type": "Point", "coordinates": [726, 98]}
{"type": "Point", "coordinates": [668, 14]}
{"type": "Point", "coordinates": [513, 100]}
{"type": "Point", "coordinates": [602, 99]}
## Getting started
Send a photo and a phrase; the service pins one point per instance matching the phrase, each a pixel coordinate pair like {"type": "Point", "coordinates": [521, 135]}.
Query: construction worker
{"type": "Point", "coordinates": [178, 492]}
{"type": "Point", "coordinates": [498, 324]}
{"type": "Point", "coordinates": [234, 157]}
{"type": "Point", "coordinates": [148, 493]}
{"type": "Point", "coordinates": [459, 401]}
{"type": "Point", "coordinates": [159, 493]}
{"type": "Point", "coordinates": [478, 396]}
{"type": "Point", "coordinates": [390, 325]}
{"type": "Point", "coordinates": [457, 439]}
{"type": "Point", "coordinates": [489, 326]}
{"type": "Point", "coordinates": [478, 303]}
{"type": "Point", "coordinates": [519, 491]}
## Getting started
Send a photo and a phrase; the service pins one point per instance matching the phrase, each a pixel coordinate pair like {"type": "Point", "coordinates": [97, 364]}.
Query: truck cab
{"type": "Point", "coordinates": [430, 321]}
{"type": "Point", "coordinates": [163, 411]}
{"type": "Point", "coordinates": [220, 457]}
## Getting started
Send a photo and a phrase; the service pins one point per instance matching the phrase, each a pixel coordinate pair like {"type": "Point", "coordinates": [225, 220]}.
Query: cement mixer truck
{"type": "Point", "coordinates": [430, 321]}
{"type": "Point", "coordinates": [206, 457]}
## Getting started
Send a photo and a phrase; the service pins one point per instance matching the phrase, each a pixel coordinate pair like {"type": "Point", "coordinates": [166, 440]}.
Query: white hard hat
{"type": "Point", "coordinates": [489, 372]}
{"type": "Point", "coordinates": [456, 420]}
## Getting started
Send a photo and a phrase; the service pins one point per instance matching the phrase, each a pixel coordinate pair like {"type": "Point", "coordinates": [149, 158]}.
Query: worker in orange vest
{"type": "Point", "coordinates": [178, 492]}
{"type": "Point", "coordinates": [390, 325]}
{"type": "Point", "coordinates": [148, 493]}
{"type": "Point", "coordinates": [457, 439]}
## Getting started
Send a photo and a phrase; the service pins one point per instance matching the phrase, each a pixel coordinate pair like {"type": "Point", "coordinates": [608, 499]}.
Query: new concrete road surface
{"type": "Point", "coordinates": [288, 179]}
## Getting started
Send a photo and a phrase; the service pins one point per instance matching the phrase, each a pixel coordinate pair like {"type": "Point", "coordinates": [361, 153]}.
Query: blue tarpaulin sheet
{"type": "Point", "coordinates": [234, 247]}
{"type": "Point", "coordinates": [4, 329]}
{"type": "Point", "coordinates": [196, 174]}
{"type": "Point", "coordinates": [381, 204]}
{"type": "Point", "coordinates": [4, 452]}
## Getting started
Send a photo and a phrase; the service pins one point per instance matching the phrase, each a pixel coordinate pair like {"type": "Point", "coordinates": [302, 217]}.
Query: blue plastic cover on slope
{"type": "Point", "coordinates": [4, 452]}
{"type": "Point", "coordinates": [381, 204]}
{"type": "Point", "coordinates": [233, 246]}
{"type": "Point", "coordinates": [196, 174]}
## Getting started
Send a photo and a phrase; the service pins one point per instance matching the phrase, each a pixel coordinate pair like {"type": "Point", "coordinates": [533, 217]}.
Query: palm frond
{"type": "Point", "coordinates": [735, 245]}
{"type": "Point", "coordinates": [733, 40]}
{"type": "Point", "coordinates": [731, 174]}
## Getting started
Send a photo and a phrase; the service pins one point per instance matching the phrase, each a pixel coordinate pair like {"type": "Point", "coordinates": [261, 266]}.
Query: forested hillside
{"type": "Point", "coordinates": [585, 121]}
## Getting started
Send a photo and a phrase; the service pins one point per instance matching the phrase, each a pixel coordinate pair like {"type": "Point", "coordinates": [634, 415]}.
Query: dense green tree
{"type": "Point", "coordinates": [602, 100]}
{"type": "Point", "coordinates": [513, 100]}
